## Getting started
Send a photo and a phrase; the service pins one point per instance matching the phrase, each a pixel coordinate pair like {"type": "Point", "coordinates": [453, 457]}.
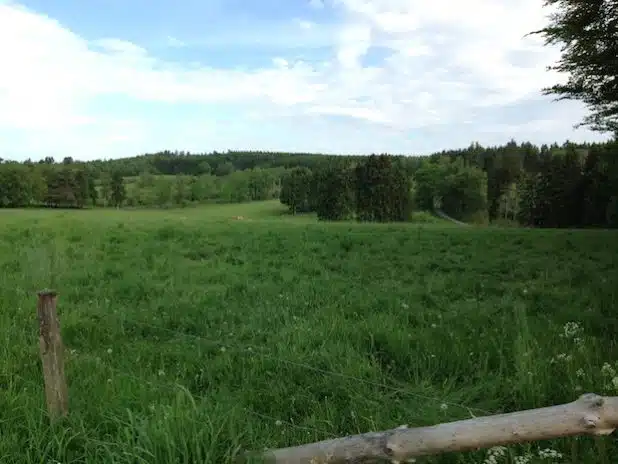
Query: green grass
{"type": "Point", "coordinates": [192, 336]}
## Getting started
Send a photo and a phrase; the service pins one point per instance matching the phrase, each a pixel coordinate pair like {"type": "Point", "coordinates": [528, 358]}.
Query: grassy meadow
{"type": "Point", "coordinates": [193, 335]}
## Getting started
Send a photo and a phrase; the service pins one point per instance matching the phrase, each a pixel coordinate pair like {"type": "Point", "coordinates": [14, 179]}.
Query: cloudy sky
{"type": "Point", "coordinates": [113, 78]}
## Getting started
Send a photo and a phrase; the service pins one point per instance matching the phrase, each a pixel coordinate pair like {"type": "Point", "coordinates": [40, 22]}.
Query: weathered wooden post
{"type": "Point", "coordinates": [52, 355]}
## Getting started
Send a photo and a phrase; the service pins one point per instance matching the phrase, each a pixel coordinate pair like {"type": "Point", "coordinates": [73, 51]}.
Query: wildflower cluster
{"type": "Point", "coordinates": [573, 332]}
{"type": "Point", "coordinates": [610, 377]}
{"type": "Point", "coordinates": [498, 454]}
{"type": "Point", "coordinates": [495, 455]}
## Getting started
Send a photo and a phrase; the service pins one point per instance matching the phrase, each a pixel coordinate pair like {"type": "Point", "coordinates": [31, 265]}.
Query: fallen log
{"type": "Point", "coordinates": [590, 414]}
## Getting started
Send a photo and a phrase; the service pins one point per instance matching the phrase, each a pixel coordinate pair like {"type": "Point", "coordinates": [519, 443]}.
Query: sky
{"type": "Point", "coordinates": [117, 78]}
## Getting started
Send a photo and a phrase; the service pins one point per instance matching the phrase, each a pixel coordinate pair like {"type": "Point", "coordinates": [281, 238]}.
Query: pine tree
{"type": "Point", "coordinates": [382, 190]}
{"type": "Point", "coordinates": [296, 190]}
{"type": "Point", "coordinates": [118, 191]}
{"type": "Point", "coordinates": [335, 193]}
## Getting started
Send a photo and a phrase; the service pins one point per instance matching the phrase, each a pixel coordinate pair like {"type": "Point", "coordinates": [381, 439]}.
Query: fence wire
{"type": "Point", "coordinates": [257, 351]}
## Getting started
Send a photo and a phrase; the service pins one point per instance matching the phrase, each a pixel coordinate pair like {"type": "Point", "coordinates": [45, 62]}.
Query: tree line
{"type": "Point", "coordinates": [54, 186]}
{"type": "Point", "coordinates": [548, 186]}
{"type": "Point", "coordinates": [554, 185]}
{"type": "Point", "coordinates": [78, 185]}
{"type": "Point", "coordinates": [149, 190]}
{"type": "Point", "coordinates": [218, 164]}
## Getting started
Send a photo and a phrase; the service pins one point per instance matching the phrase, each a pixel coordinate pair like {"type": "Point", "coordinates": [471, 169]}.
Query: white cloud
{"type": "Point", "coordinates": [357, 111]}
{"type": "Point", "coordinates": [354, 42]}
{"type": "Point", "coordinates": [440, 67]}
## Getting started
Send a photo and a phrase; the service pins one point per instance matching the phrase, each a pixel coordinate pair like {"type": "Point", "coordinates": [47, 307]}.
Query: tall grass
{"type": "Point", "coordinates": [192, 336]}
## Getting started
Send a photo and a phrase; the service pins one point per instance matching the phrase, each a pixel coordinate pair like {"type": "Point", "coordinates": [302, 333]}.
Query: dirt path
{"type": "Point", "coordinates": [443, 215]}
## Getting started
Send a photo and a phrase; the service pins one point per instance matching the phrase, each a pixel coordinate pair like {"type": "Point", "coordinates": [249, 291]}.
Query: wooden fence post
{"type": "Point", "coordinates": [52, 355]}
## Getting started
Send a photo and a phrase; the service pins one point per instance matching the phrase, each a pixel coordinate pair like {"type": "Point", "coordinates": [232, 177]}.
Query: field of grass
{"type": "Point", "coordinates": [192, 336]}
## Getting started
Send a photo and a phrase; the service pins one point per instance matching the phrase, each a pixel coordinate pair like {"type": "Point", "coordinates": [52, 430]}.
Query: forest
{"type": "Point", "coordinates": [567, 185]}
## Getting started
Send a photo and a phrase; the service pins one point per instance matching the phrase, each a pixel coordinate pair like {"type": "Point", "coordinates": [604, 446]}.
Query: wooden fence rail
{"type": "Point", "coordinates": [591, 414]}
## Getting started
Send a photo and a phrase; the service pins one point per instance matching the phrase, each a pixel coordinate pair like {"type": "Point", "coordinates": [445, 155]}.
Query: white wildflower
{"type": "Point", "coordinates": [495, 455]}
{"type": "Point", "coordinates": [608, 370]}
{"type": "Point", "coordinates": [525, 459]}
{"type": "Point", "coordinates": [549, 453]}
{"type": "Point", "coordinates": [571, 329]}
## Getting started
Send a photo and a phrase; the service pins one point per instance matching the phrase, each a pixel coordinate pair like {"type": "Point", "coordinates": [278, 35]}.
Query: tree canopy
{"type": "Point", "coordinates": [565, 185]}
{"type": "Point", "coordinates": [587, 31]}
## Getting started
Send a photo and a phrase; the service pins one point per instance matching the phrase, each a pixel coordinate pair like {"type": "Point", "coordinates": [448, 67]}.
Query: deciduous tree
{"type": "Point", "coordinates": [587, 31]}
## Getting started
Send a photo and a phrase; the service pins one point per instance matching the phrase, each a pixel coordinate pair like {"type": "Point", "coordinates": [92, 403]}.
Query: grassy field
{"type": "Point", "coordinates": [192, 336]}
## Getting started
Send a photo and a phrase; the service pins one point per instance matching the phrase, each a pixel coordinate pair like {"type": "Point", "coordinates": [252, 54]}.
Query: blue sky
{"type": "Point", "coordinates": [113, 78]}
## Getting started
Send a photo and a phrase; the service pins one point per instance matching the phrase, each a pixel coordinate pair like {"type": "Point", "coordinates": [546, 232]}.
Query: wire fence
{"type": "Point", "coordinates": [256, 351]}
{"type": "Point", "coordinates": [176, 387]}
{"type": "Point", "coordinates": [565, 419]}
